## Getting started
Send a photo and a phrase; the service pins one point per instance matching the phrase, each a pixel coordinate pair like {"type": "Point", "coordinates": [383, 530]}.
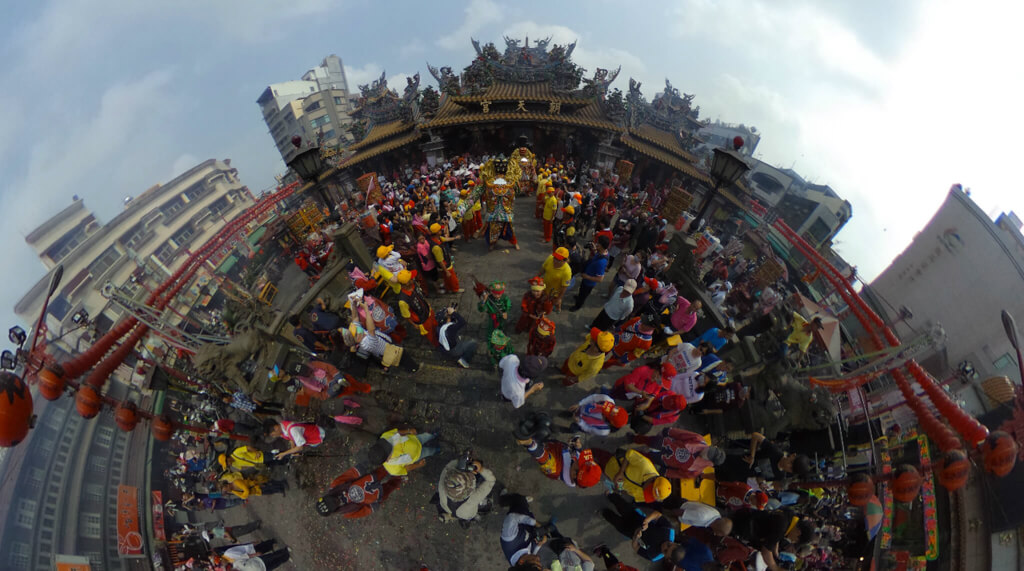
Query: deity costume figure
{"type": "Point", "coordinates": [496, 304]}
{"type": "Point", "coordinates": [500, 178]}
{"type": "Point", "coordinates": [527, 162]}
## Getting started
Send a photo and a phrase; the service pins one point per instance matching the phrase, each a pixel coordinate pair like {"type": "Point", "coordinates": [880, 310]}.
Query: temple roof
{"type": "Point", "coordinates": [663, 139]}
{"type": "Point", "coordinates": [381, 132]}
{"type": "Point", "coordinates": [453, 113]}
{"type": "Point", "coordinates": [534, 91]}
{"type": "Point", "coordinates": [663, 156]}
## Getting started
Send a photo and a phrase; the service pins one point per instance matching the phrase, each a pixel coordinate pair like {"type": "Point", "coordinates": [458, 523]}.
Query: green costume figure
{"type": "Point", "coordinates": [498, 345]}
{"type": "Point", "coordinates": [496, 304]}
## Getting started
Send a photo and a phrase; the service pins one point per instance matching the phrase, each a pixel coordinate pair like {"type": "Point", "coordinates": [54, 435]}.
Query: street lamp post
{"type": "Point", "coordinates": [308, 164]}
{"type": "Point", "coordinates": [1011, 333]}
{"type": "Point", "coordinates": [726, 168]}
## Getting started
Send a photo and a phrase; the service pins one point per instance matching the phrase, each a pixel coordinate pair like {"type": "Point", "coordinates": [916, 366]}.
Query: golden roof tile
{"type": "Point", "coordinates": [663, 139]}
{"type": "Point", "coordinates": [665, 157]}
{"type": "Point", "coordinates": [507, 91]}
{"type": "Point", "coordinates": [381, 132]}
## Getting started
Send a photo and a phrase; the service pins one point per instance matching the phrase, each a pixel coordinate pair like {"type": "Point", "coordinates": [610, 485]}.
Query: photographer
{"type": "Point", "coordinates": [463, 491]}
{"type": "Point", "coordinates": [449, 335]}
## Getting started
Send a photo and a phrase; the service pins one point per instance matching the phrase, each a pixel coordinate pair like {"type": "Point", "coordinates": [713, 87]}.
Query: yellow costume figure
{"type": "Point", "coordinates": [500, 178]}
{"type": "Point", "coordinates": [528, 165]}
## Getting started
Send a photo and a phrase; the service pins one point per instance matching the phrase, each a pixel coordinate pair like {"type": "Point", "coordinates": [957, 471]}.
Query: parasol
{"type": "Point", "coordinates": [873, 516]}
{"type": "Point", "coordinates": [828, 336]}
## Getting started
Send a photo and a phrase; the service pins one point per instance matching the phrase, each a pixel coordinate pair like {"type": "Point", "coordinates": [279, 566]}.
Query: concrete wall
{"type": "Point", "coordinates": [960, 271]}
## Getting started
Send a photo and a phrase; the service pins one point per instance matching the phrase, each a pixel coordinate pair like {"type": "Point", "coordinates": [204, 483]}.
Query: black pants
{"type": "Point", "coordinates": [624, 518]}
{"type": "Point", "coordinates": [584, 293]}
{"type": "Point", "coordinates": [516, 504]}
{"type": "Point", "coordinates": [608, 557]}
{"type": "Point", "coordinates": [756, 327]}
{"type": "Point", "coordinates": [261, 547]}
{"type": "Point", "coordinates": [237, 530]}
{"type": "Point", "coordinates": [603, 321]}
{"type": "Point", "coordinates": [275, 559]}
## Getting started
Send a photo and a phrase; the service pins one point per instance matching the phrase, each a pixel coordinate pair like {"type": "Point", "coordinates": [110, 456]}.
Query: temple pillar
{"type": "Point", "coordinates": [348, 242]}
{"type": "Point", "coordinates": [608, 154]}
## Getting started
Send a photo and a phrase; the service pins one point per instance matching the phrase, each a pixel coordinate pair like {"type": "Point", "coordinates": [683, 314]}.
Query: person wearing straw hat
{"type": "Point", "coordinates": [535, 305]}
{"type": "Point", "coordinates": [587, 360]}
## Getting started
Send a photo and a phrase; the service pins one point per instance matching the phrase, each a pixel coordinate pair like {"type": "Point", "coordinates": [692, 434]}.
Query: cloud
{"type": "Point", "coordinates": [414, 47]}
{"type": "Point", "coordinates": [479, 13]}
{"type": "Point", "coordinates": [182, 164]}
{"type": "Point", "coordinates": [364, 75]}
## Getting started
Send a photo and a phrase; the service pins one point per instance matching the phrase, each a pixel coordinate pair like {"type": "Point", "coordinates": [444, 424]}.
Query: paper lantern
{"type": "Point", "coordinates": [953, 470]}
{"type": "Point", "coordinates": [861, 491]}
{"type": "Point", "coordinates": [126, 416]}
{"type": "Point", "coordinates": [906, 484]}
{"type": "Point", "coordinates": [88, 401]}
{"type": "Point", "coordinates": [737, 142]}
{"type": "Point", "coordinates": [15, 409]}
{"type": "Point", "coordinates": [1000, 453]}
{"type": "Point", "coordinates": [163, 428]}
{"type": "Point", "coordinates": [51, 384]}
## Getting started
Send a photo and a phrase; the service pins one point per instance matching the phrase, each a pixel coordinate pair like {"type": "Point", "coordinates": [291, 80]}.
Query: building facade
{"type": "Point", "coordinates": [315, 107]}
{"type": "Point", "coordinates": [60, 486]}
{"type": "Point", "coordinates": [814, 211]}
{"type": "Point", "coordinates": [961, 270]}
{"type": "Point", "coordinates": [719, 134]}
{"type": "Point", "coordinates": [143, 245]}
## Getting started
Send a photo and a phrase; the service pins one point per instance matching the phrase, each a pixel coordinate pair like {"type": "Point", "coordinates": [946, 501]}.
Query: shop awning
{"type": "Point", "coordinates": [254, 238]}
{"type": "Point", "coordinates": [227, 264]}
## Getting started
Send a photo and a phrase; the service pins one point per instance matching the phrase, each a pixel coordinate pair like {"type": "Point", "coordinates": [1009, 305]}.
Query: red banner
{"type": "Point", "coordinates": [158, 516]}
{"type": "Point", "coordinates": [129, 540]}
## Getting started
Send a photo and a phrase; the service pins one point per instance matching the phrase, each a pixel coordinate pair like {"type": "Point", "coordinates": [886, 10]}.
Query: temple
{"type": "Point", "coordinates": [533, 90]}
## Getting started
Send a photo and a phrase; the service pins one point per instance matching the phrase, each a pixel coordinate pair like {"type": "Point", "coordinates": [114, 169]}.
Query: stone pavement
{"type": "Point", "coordinates": [465, 409]}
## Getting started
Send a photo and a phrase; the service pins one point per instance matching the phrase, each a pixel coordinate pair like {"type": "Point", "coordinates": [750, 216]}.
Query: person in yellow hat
{"type": "Point", "coordinates": [550, 205]}
{"type": "Point", "coordinates": [543, 182]}
{"type": "Point", "coordinates": [389, 263]}
{"type": "Point", "coordinates": [443, 257]}
{"type": "Point", "coordinates": [636, 475]}
{"type": "Point", "coordinates": [566, 228]}
{"type": "Point", "coordinates": [588, 359]}
{"type": "Point", "coordinates": [415, 307]}
{"type": "Point", "coordinates": [557, 275]}
{"type": "Point", "coordinates": [465, 211]}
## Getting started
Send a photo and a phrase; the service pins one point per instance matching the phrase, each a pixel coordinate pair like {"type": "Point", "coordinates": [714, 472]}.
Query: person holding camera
{"type": "Point", "coordinates": [463, 491]}
{"type": "Point", "coordinates": [449, 336]}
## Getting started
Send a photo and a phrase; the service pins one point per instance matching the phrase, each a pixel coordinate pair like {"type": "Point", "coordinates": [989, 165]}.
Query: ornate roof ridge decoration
{"type": "Point", "coordinates": [379, 104]}
{"type": "Point", "coordinates": [518, 64]}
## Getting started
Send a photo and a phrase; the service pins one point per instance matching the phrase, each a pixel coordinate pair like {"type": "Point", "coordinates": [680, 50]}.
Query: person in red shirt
{"type": "Point", "coordinates": [662, 409]}
{"type": "Point", "coordinates": [682, 453]}
{"type": "Point", "coordinates": [356, 495]}
{"type": "Point", "coordinates": [642, 382]}
{"type": "Point", "coordinates": [535, 305]}
{"type": "Point", "coordinates": [542, 338]}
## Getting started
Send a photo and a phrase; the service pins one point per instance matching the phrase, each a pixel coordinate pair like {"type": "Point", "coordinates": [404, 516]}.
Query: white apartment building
{"type": "Point", "coordinates": [316, 107]}
{"type": "Point", "coordinates": [138, 249]}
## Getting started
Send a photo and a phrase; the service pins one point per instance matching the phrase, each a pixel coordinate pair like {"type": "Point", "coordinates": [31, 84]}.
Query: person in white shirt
{"type": "Point", "coordinates": [516, 376]}
{"type": "Point", "coordinates": [699, 514]}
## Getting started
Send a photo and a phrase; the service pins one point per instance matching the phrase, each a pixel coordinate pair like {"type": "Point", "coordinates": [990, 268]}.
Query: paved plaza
{"type": "Point", "coordinates": [465, 408]}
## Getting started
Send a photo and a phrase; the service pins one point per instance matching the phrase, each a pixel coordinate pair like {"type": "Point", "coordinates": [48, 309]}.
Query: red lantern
{"type": "Point", "coordinates": [16, 416]}
{"type": "Point", "coordinates": [51, 384]}
{"type": "Point", "coordinates": [953, 470]}
{"type": "Point", "coordinates": [163, 428]}
{"type": "Point", "coordinates": [127, 416]}
{"type": "Point", "coordinates": [297, 141]}
{"type": "Point", "coordinates": [861, 491]}
{"type": "Point", "coordinates": [1000, 453]}
{"type": "Point", "coordinates": [737, 143]}
{"type": "Point", "coordinates": [88, 401]}
{"type": "Point", "coordinates": [906, 484]}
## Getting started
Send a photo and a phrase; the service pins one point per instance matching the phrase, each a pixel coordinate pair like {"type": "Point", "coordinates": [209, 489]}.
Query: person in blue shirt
{"type": "Point", "coordinates": [593, 272]}
{"type": "Point", "coordinates": [715, 337]}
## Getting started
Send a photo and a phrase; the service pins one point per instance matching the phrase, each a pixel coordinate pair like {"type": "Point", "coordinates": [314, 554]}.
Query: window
{"type": "Point", "coordinates": [34, 478]}
{"type": "Point", "coordinates": [105, 435]}
{"type": "Point", "coordinates": [325, 120]}
{"type": "Point", "coordinates": [98, 463]}
{"type": "Point", "coordinates": [183, 234]}
{"type": "Point", "coordinates": [68, 242]}
{"type": "Point", "coordinates": [165, 253]}
{"type": "Point", "coordinates": [339, 100]}
{"type": "Point", "coordinates": [104, 262]}
{"type": "Point", "coordinates": [195, 191]}
{"type": "Point", "coordinates": [20, 553]}
{"type": "Point", "coordinates": [93, 492]}
{"type": "Point", "coordinates": [26, 513]}
{"type": "Point", "coordinates": [329, 134]}
{"type": "Point", "coordinates": [89, 525]}
{"type": "Point", "coordinates": [313, 106]}
{"type": "Point", "coordinates": [1005, 361]}
{"type": "Point", "coordinates": [135, 237]}
{"type": "Point", "coordinates": [46, 446]}
{"type": "Point", "coordinates": [220, 205]}
{"type": "Point", "coordinates": [172, 207]}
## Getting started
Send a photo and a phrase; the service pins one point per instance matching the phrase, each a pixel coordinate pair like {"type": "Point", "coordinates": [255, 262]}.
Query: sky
{"type": "Point", "coordinates": [889, 103]}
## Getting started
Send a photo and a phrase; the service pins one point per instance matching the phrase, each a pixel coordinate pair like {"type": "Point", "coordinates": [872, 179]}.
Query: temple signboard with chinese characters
{"type": "Point", "coordinates": [677, 202]}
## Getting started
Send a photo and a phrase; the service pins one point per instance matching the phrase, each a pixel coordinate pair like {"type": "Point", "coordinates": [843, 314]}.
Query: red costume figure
{"type": "Point", "coordinates": [738, 495]}
{"type": "Point", "coordinates": [570, 463]}
{"type": "Point", "coordinates": [535, 305]}
{"type": "Point", "coordinates": [414, 307]}
{"type": "Point", "coordinates": [355, 495]}
{"type": "Point", "coordinates": [542, 338]}
{"type": "Point", "coordinates": [632, 340]}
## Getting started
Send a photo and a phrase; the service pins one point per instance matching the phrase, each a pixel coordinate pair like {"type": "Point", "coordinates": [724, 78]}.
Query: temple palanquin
{"type": "Point", "coordinates": [533, 90]}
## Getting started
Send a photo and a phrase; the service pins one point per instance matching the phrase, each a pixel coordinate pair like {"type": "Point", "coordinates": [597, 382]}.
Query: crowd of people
{"type": "Point", "coordinates": [606, 242]}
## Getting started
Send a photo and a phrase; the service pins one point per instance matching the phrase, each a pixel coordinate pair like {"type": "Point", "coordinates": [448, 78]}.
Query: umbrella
{"type": "Point", "coordinates": [873, 516]}
{"type": "Point", "coordinates": [828, 335]}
